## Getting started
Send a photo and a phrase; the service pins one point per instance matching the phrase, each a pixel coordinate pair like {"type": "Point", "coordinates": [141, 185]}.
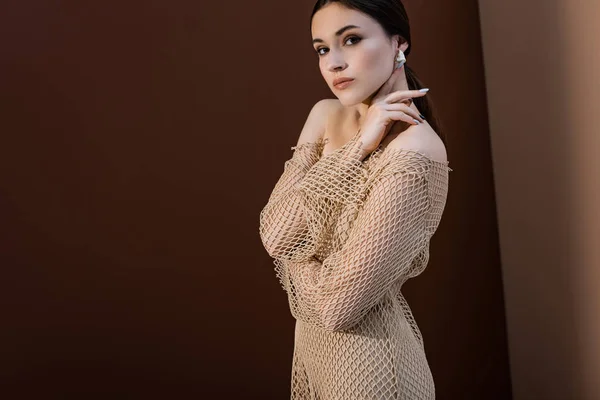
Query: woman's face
{"type": "Point", "coordinates": [363, 53]}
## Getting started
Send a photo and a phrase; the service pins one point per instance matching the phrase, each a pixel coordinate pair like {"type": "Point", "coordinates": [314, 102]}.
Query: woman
{"type": "Point", "coordinates": [350, 219]}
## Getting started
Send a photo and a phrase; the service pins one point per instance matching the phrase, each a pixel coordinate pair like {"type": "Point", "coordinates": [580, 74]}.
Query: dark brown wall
{"type": "Point", "coordinates": [139, 142]}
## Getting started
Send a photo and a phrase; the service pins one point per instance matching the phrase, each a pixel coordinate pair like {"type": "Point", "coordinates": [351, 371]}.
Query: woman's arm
{"type": "Point", "coordinates": [283, 227]}
{"type": "Point", "coordinates": [307, 196]}
{"type": "Point", "coordinates": [387, 235]}
{"type": "Point", "coordinates": [281, 219]}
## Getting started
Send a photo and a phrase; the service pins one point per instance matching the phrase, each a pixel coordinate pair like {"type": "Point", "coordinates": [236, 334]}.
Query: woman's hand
{"type": "Point", "coordinates": [386, 107]}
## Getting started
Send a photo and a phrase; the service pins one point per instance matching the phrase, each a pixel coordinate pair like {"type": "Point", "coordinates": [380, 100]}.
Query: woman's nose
{"type": "Point", "coordinates": [336, 62]}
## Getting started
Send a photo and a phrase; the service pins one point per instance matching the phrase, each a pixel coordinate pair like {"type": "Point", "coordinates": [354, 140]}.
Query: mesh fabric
{"type": "Point", "coordinates": [345, 234]}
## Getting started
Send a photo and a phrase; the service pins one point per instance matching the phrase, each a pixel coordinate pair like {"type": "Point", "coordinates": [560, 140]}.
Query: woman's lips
{"type": "Point", "coordinates": [343, 85]}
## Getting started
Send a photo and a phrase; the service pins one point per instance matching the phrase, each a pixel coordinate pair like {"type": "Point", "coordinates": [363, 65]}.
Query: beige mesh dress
{"type": "Point", "coordinates": [345, 235]}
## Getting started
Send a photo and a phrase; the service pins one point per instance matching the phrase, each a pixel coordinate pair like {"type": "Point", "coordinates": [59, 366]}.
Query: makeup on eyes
{"type": "Point", "coordinates": [351, 36]}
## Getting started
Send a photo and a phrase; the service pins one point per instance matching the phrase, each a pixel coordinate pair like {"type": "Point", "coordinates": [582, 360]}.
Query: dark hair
{"type": "Point", "coordinates": [392, 16]}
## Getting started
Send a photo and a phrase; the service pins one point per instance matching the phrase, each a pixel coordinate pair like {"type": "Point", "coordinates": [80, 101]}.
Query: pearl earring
{"type": "Point", "coordinates": [400, 59]}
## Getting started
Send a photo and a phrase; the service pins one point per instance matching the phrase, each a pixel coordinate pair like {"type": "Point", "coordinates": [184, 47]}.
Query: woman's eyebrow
{"type": "Point", "coordinates": [338, 33]}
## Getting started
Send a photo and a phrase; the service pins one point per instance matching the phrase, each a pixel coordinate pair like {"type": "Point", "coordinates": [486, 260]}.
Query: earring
{"type": "Point", "coordinates": [400, 59]}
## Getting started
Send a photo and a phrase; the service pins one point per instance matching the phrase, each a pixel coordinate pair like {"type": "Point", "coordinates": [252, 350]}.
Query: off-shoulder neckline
{"type": "Point", "coordinates": [394, 150]}
{"type": "Point", "coordinates": [389, 150]}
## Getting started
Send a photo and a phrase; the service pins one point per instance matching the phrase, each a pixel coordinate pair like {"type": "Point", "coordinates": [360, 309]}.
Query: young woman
{"type": "Point", "coordinates": [350, 219]}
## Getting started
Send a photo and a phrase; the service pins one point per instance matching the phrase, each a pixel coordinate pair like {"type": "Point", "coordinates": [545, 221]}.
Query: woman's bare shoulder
{"type": "Point", "coordinates": [423, 139]}
{"type": "Point", "coordinates": [316, 123]}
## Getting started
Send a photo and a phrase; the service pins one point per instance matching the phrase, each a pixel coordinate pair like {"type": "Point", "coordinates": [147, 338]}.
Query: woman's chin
{"type": "Point", "coordinates": [347, 99]}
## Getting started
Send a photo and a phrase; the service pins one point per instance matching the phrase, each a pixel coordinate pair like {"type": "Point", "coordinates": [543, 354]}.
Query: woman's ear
{"type": "Point", "coordinates": [396, 40]}
{"type": "Point", "coordinates": [400, 43]}
{"type": "Point", "coordinates": [404, 46]}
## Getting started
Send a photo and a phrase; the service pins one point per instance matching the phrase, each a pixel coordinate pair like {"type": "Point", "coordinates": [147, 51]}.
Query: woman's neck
{"type": "Point", "coordinates": [360, 110]}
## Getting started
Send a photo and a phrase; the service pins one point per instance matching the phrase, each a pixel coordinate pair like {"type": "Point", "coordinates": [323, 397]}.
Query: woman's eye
{"type": "Point", "coordinates": [353, 37]}
{"type": "Point", "coordinates": [349, 38]}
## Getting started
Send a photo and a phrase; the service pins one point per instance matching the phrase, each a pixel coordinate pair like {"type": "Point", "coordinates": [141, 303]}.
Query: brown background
{"type": "Point", "coordinates": [139, 142]}
{"type": "Point", "coordinates": [543, 80]}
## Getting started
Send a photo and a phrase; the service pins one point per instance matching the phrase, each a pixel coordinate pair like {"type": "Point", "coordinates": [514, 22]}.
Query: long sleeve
{"type": "Point", "coordinates": [282, 225]}
{"type": "Point", "coordinates": [303, 204]}
{"type": "Point", "coordinates": [388, 233]}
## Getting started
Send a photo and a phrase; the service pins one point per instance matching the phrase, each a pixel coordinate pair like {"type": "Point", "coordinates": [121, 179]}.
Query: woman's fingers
{"type": "Point", "coordinates": [402, 116]}
{"type": "Point", "coordinates": [404, 108]}
{"type": "Point", "coordinates": [400, 95]}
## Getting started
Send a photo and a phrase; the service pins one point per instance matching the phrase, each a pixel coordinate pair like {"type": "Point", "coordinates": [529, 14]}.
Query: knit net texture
{"type": "Point", "coordinates": [345, 234]}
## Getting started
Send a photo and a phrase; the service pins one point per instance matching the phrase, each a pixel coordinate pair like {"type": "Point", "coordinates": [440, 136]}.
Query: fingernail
{"type": "Point", "coordinates": [417, 121]}
{"type": "Point", "coordinates": [422, 116]}
{"type": "Point", "coordinates": [424, 90]}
